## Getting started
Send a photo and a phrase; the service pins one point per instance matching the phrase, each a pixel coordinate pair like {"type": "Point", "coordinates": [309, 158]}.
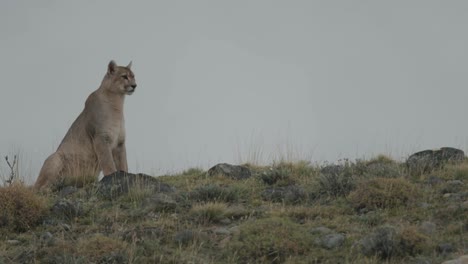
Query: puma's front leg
{"type": "Point", "coordinates": [102, 146]}
{"type": "Point", "coordinates": [120, 157]}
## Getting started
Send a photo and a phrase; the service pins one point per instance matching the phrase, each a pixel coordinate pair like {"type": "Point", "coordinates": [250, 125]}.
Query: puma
{"type": "Point", "coordinates": [95, 141]}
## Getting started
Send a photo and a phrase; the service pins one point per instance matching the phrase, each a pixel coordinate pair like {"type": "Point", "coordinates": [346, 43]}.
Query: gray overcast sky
{"type": "Point", "coordinates": [238, 80]}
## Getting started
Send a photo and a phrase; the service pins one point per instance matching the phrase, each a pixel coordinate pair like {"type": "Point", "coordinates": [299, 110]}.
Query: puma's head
{"type": "Point", "coordinates": [122, 79]}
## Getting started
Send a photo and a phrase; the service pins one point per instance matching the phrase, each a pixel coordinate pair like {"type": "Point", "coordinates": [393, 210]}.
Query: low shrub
{"type": "Point", "coordinates": [383, 193]}
{"type": "Point", "coordinates": [20, 207]}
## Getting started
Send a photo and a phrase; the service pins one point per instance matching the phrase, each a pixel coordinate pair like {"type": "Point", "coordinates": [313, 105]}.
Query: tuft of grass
{"type": "Point", "coordinates": [269, 240]}
{"type": "Point", "coordinates": [337, 182]}
{"type": "Point", "coordinates": [383, 193]}
{"type": "Point", "coordinates": [215, 192]}
{"type": "Point", "coordinates": [20, 207]}
{"type": "Point", "coordinates": [102, 249]}
{"type": "Point", "coordinates": [209, 212]}
{"type": "Point", "coordinates": [389, 242]}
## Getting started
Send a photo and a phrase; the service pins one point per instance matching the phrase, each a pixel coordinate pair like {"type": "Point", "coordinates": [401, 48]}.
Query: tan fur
{"type": "Point", "coordinates": [95, 142]}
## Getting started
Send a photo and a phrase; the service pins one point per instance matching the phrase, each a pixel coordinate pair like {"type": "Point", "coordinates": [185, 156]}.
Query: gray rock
{"type": "Point", "coordinates": [428, 160]}
{"type": "Point", "coordinates": [67, 209]}
{"type": "Point", "coordinates": [13, 242]}
{"type": "Point", "coordinates": [232, 171]}
{"type": "Point", "coordinates": [222, 231]}
{"type": "Point", "coordinates": [332, 241]}
{"type": "Point", "coordinates": [445, 248]}
{"type": "Point", "coordinates": [119, 183]}
{"type": "Point", "coordinates": [427, 228]}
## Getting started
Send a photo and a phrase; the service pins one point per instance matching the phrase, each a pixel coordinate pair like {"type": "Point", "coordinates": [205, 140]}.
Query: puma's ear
{"type": "Point", "coordinates": [111, 67]}
{"type": "Point", "coordinates": [129, 65]}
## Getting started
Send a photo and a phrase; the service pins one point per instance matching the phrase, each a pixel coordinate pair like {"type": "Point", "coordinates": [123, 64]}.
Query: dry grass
{"type": "Point", "coordinates": [20, 207]}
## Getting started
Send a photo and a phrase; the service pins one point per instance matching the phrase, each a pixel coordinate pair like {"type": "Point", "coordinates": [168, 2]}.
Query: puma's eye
{"type": "Point", "coordinates": [125, 77]}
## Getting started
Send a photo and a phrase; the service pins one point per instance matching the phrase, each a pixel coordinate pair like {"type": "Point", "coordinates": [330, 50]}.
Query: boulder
{"type": "Point", "coordinates": [428, 160]}
{"type": "Point", "coordinates": [232, 171]}
{"type": "Point", "coordinates": [121, 182]}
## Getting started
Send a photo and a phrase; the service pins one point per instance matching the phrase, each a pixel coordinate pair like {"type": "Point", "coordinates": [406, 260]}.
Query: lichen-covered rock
{"type": "Point", "coordinates": [232, 171]}
{"type": "Point", "coordinates": [428, 160]}
{"type": "Point", "coordinates": [121, 182]}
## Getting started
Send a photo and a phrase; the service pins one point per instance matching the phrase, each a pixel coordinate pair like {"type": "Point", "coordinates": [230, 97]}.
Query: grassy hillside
{"type": "Point", "coordinates": [371, 211]}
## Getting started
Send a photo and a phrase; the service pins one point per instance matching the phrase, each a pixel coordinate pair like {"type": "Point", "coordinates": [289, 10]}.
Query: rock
{"type": "Point", "coordinates": [445, 248]}
{"type": "Point", "coordinates": [292, 194]}
{"type": "Point", "coordinates": [447, 195]}
{"type": "Point", "coordinates": [232, 171]}
{"type": "Point", "coordinates": [427, 228]}
{"type": "Point", "coordinates": [460, 260]}
{"type": "Point", "coordinates": [222, 231]}
{"type": "Point", "coordinates": [428, 160]}
{"type": "Point", "coordinates": [47, 238]}
{"type": "Point", "coordinates": [13, 242]}
{"type": "Point", "coordinates": [160, 202]}
{"type": "Point", "coordinates": [332, 241]}
{"type": "Point", "coordinates": [184, 237]}
{"type": "Point", "coordinates": [118, 183]}
{"type": "Point", "coordinates": [67, 209]}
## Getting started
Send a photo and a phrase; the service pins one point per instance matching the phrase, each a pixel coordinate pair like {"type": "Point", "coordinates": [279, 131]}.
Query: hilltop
{"type": "Point", "coordinates": [363, 211]}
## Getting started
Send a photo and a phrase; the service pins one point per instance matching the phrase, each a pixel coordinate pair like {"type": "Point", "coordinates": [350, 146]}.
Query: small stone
{"type": "Point", "coordinates": [447, 195]}
{"type": "Point", "coordinates": [332, 241]}
{"type": "Point", "coordinates": [222, 231]}
{"type": "Point", "coordinates": [13, 242]}
{"type": "Point", "coordinates": [46, 236]}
